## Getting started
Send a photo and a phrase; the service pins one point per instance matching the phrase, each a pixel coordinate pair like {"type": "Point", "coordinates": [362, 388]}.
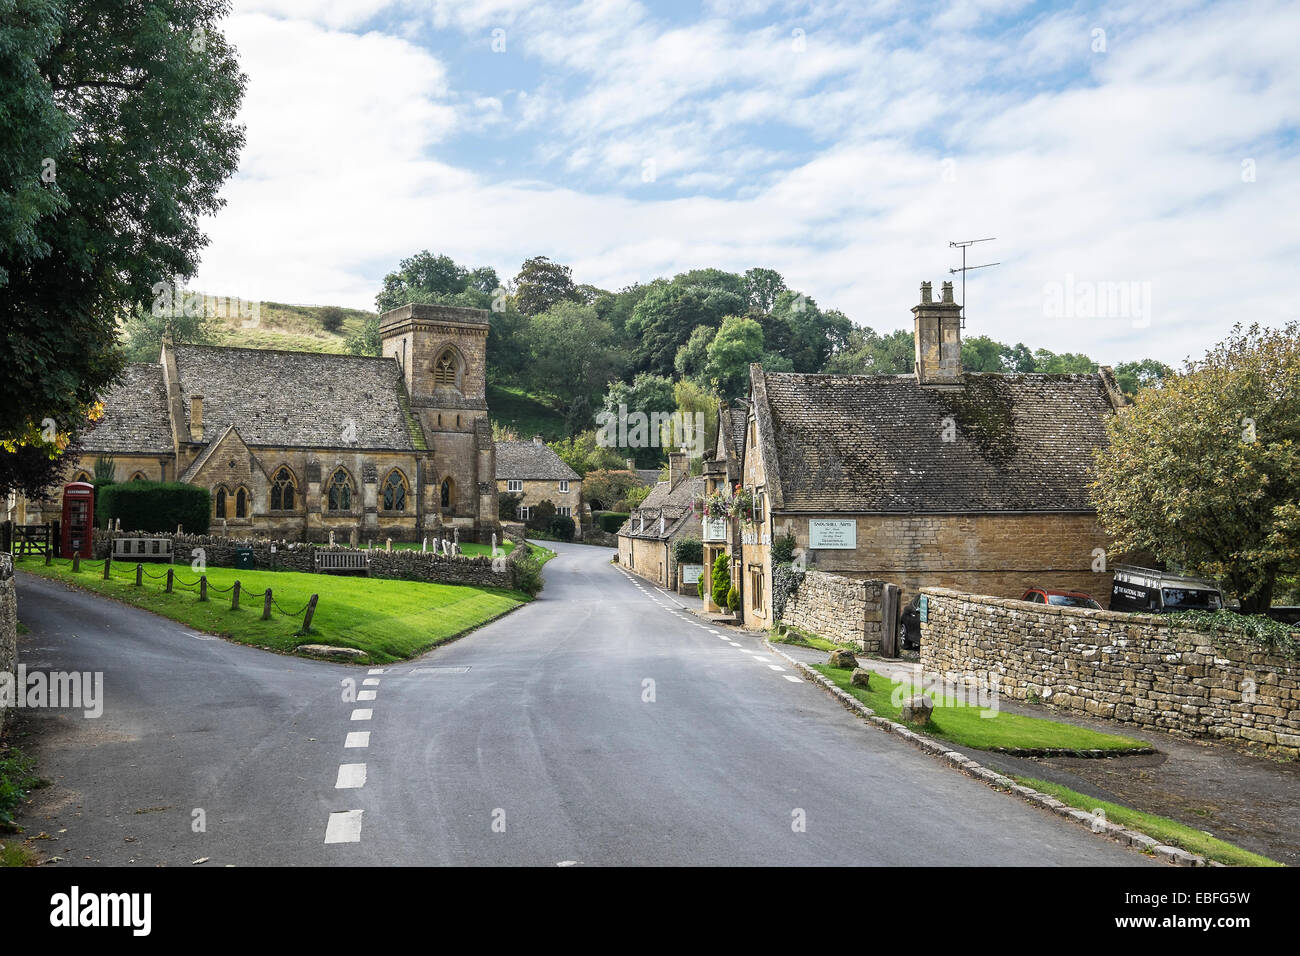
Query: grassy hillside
{"type": "Point", "coordinates": [282, 326]}
{"type": "Point", "coordinates": [516, 409]}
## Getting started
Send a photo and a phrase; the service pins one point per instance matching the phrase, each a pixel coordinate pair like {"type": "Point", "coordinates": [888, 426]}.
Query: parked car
{"type": "Point", "coordinates": [1060, 598]}
{"type": "Point", "coordinates": [909, 625]}
{"type": "Point", "coordinates": [1148, 591]}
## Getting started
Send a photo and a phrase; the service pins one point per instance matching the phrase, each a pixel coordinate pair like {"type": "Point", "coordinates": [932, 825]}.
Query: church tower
{"type": "Point", "coordinates": [442, 352]}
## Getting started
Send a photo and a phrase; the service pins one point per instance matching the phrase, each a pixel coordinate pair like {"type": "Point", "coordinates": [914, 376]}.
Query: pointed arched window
{"type": "Point", "coordinates": [283, 486]}
{"type": "Point", "coordinates": [241, 503]}
{"type": "Point", "coordinates": [444, 370]}
{"type": "Point", "coordinates": [395, 491]}
{"type": "Point", "coordinates": [219, 502]}
{"type": "Point", "coordinates": [448, 492]}
{"type": "Point", "coordinates": [340, 491]}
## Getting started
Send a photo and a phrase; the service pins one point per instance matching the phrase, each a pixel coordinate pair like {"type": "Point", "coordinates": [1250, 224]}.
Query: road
{"type": "Point", "coordinates": [600, 725]}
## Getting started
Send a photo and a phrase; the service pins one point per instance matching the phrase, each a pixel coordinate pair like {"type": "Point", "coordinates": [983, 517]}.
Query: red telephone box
{"type": "Point", "coordinates": [78, 518]}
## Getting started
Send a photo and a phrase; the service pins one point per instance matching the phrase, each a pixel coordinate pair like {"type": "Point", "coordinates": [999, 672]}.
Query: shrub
{"type": "Point", "coordinates": [562, 527]}
{"type": "Point", "coordinates": [331, 318]}
{"type": "Point", "coordinates": [508, 503]}
{"type": "Point", "coordinates": [156, 506]}
{"type": "Point", "coordinates": [527, 574]}
{"type": "Point", "coordinates": [688, 550]}
{"type": "Point", "coordinates": [783, 548]}
{"type": "Point", "coordinates": [611, 521]}
{"type": "Point", "coordinates": [721, 580]}
{"type": "Point", "coordinates": [733, 599]}
{"type": "Point", "coordinates": [699, 585]}
{"type": "Point", "coordinates": [541, 515]}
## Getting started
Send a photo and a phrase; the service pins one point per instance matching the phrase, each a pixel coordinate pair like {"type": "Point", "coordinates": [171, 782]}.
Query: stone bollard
{"type": "Point", "coordinates": [917, 710]}
{"type": "Point", "coordinates": [861, 677]}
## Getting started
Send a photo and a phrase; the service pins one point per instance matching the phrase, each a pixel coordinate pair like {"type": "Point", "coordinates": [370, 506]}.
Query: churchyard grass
{"type": "Point", "coordinates": [1168, 832]}
{"type": "Point", "coordinates": [963, 725]}
{"type": "Point", "coordinates": [389, 620]}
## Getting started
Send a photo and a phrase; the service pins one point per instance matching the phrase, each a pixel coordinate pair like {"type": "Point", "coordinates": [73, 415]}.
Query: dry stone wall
{"type": "Point", "coordinates": [220, 552]}
{"type": "Point", "coordinates": [840, 609]}
{"type": "Point", "coordinates": [1134, 668]}
{"type": "Point", "coordinates": [8, 624]}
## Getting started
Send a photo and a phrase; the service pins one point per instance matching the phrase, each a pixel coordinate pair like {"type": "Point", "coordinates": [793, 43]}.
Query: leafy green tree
{"type": "Point", "coordinates": [867, 352]}
{"type": "Point", "coordinates": [605, 487]}
{"type": "Point", "coordinates": [125, 114]}
{"type": "Point", "coordinates": [647, 394]}
{"type": "Point", "coordinates": [1204, 472]}
{"type": "Point", "coordinates": [573, 359]}
{"type": "Point", "coordinates": [668, 314]}
{"type": "Point", "coordinates": [424, 278]}
{"type": "Point", "coordinates": [738, 343]}
{"type": "Point", "coordinates": [541, 515]}
{"type": "Point", "coordinates": [803, 333]}
{"type": "Point", "coordinates": [331, 318]}
{"type": "Point", "coordinates": [585, 455]}
{"type": "Point", "coordinates": [542, 284]}
{"type": "Point", "coordinates": [1135, 376]}
{"type": "Point", "coordinates": [694, 355]}
{"type": "Point", "coordinates": [1066, 363]}
{"type": "Point", "coordinates": [143, 331]}
{"type": "Point", "coordinates": [761, 288]}
{"type": "Point", "coordinates": [367, 341]}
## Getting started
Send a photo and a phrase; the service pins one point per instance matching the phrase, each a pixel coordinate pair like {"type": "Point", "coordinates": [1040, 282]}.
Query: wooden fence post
{"type": "Point", "coordinates": [234, 597]}
{"type": "Point", "coordinates": [108, 563]}
{"type": "Point", "coordinates": [266, 607]}
{"type": "Point", "coordinates": [203, 587]}
{"type": "Point", "coordinates": [311, 609]}
{"type": "Point", "coordinates": [139, 575]}
{"type": "Point", "coordinates": [170, 574]}
{"type": "Point", "coordinates": [76, 562]}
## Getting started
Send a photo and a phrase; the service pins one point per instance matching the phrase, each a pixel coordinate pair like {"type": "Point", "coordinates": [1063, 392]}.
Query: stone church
{"type": "Point", "coordinates": [295, 445]}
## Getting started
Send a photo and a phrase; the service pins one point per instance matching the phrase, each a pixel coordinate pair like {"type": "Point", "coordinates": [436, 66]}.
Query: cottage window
{"type": "Point", "coordinates": [340, 491]}
{"type": "Point", "coordinates": [566, 510]}
{"type": "Point", "coordinates": [756, 588]}
{"type": "Point", "coordinates": [515, 484]}
{"type": "Point", "coordinates": [564, 486]}
{"type": "Point", "coordinates": [283, 486]}
{"type": "Point", "coordinates": [395, 491]}
{"type": "Point", "coordinates": [525, 512]}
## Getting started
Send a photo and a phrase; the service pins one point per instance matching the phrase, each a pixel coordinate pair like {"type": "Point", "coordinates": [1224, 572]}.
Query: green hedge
{"type": "Point", "coordinates": [688, 551]}
{"type": "Point", "coordinates": [563, 527]}
{"type": "Point", "coordinates": [611, 521]}
{"type": "Point", "coordinates": [155, 506]}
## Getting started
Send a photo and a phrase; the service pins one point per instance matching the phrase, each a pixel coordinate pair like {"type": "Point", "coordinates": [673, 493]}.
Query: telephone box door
{"type": "Point", "coordinates": [78, 518]}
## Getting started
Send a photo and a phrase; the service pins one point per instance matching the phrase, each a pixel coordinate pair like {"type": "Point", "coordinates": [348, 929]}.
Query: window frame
{"type": "Point", "coordinates": [348, 485]}
{"type": "Point", "coordinates": [387, 484]}
{"type": "Point", "coordinates": [514, 485]}
{"type": "Point", "coordinates": [279, 484]}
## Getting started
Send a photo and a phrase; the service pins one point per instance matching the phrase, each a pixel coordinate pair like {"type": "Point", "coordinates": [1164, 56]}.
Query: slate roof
{"type": "Point", "coordinates": [673, 504]}
{"type": "Point", "coordinates": [135, 415]}
{"type": "Point", "coordinates": [529, 461]}
{"type": "Point", "coordinates": [868, 443]}
{"type": "Point", "coordinates": [649, 476]}
{"type": "Point", "coordinates": [296, 399]}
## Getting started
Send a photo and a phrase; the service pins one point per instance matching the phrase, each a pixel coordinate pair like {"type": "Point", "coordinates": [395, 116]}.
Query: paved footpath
{"type": "Point", "coordinates": [601, 724]}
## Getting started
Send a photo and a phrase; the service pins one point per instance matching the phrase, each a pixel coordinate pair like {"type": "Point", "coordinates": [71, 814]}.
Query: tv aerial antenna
{"type": "Point", "coordinates": [963, 246]}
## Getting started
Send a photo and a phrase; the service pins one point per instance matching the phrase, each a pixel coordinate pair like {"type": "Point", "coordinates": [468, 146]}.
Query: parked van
{"type": "Point", "coordinates": [1148, 591]}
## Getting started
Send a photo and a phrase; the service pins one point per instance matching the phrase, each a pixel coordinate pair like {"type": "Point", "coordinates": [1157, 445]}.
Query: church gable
{"type": "Point", "coordinates": [227, 460]}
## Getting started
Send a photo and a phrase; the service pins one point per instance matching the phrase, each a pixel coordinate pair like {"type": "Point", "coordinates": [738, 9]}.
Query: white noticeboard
{"type": "Point", "coordinates": [832, 534]}
{"type": "Point", "coordinates": [691, 573]}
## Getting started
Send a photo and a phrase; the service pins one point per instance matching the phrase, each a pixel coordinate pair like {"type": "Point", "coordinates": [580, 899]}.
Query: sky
{"type": "Point", "coordinates": [1136, 163]}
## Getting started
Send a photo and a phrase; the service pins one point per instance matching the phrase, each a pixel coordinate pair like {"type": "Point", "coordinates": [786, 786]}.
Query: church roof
{"type": "Point", "coordinates": [531, 461]}
{"type": "Point", "coordinates": [296, 399]}
{"type": "Point", "coordinates": [876, 443]}
{"type": "Point", "coordinates": [135, 415]}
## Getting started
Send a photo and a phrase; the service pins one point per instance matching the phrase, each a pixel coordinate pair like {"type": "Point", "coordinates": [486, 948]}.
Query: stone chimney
{"type": "Point", "coordinates": [679, 466]}
{"type": "Point", "coordinates": [938, 338]}
{"type": "Point", "coordinates": [196, 418]}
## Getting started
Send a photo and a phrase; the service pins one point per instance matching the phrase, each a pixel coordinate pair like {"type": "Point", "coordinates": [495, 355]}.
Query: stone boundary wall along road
{"type": "Point", "coordinates": [407, 565]}
{"type": "Point", "coordinates": [8, 624]}
{"type": "Point", "coordinates": [1134, 668]}
{"type": "Point", "coordinates": [840, 609]}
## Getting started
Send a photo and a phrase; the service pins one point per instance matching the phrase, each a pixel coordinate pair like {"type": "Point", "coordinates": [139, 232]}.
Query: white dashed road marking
{"type": "Point", "coordinates": [375, 670]}
{"type": "Point", "coordinates": [370, 682]}
{"type": "Point", "coordinates": [358, 738]}
{"type": "Point", "coordinates": [366, 694]}
{"type": "Point", "coordinates": [344, 827]}
{"type": "Point", "coordinates": [352, 776]}
{"type": "Point", "coordinates": [776, 667]}
{"type": "Point", "coordinates": [791, 677]}
{"type": "Point", "coordinates": [362, 713]}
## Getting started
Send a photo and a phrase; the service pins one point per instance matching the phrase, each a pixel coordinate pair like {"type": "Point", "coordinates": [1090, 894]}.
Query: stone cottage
{"type": "Point", "coordinates": [533, 469]}
{"type": "Point", "coordinates": [298, 444]}
{"type": "Point", "coordinates": [941, 478]}
{"type": "Point", "coordinates": [645, 542]}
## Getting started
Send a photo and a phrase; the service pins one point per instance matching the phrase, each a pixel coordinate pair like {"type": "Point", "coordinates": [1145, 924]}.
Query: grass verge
{"type": "Point", "coordinates": [17, 778]}
{"type": "Point", "coordinates": [963, 724]}
{"type": "Point", "coordinates": [389, 620]}
{"type": "Point", "coordinates": [788, 634]}
{"type": "Point", "coordinates": [1168, 832]}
